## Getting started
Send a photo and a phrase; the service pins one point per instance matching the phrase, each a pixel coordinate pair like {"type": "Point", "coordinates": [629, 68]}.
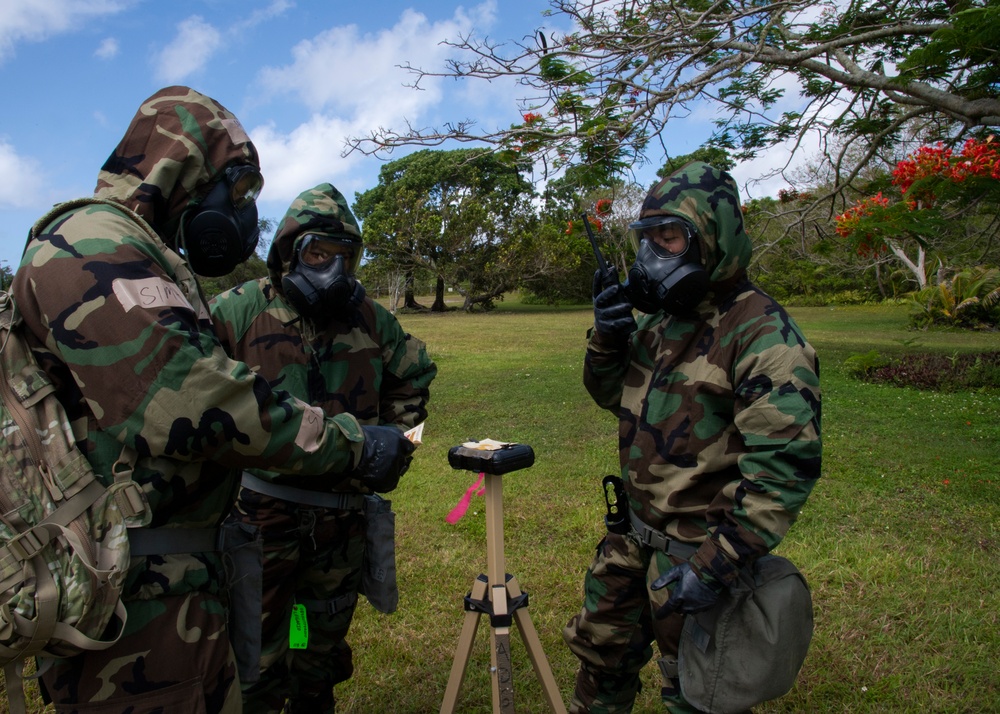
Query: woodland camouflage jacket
{"type": "Point", "coordinates": [119, 324]}
{"type": "Point", "coordinates": [719, 417]}
{"type": "Point", "coordinates": [363, 364]}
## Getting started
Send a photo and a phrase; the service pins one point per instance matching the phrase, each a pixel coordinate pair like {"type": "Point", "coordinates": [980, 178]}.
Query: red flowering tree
{"type": "Point", "coordinates": [609, 212]}
{"type": "Point", "coordinates": [937, 188]}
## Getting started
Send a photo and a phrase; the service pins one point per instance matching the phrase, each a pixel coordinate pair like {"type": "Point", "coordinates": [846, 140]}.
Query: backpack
{"type": "Point", "coordinates": [64, 548]}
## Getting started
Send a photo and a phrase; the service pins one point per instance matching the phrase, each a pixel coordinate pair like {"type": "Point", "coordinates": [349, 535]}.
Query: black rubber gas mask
{"type": "Point", "coordinates": [667, 274]}
{"type": "Point", "coordinates": [222, 231]}
{"type": "Point", "coordinates": [320, 284]}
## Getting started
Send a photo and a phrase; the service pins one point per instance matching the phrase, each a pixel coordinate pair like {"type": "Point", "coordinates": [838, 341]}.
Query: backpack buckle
{"type": "Point", "coordinates": [26, 545]}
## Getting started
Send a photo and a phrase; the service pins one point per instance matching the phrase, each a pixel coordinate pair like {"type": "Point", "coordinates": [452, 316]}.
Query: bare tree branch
{"type": "Point", "coordinates": [604, 92]}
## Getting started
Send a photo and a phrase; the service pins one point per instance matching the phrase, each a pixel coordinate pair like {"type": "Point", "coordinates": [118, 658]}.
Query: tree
{"type": "Point", "coordinates": [462, 215]}
{"type": "Point", "coordinates": [714, 155]}
{"type": "Point", "coordinates": [940, 197]}
{"type": "Point", "coordinates": [871, 75]}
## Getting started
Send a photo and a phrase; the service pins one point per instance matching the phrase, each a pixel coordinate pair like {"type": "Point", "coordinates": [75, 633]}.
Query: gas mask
{"type": "Point", "coordinates": [222, 231]}
{"type": "Point", "coordinates": [320, 284]}
{"type": "Point", "coordinates": [667, 274]}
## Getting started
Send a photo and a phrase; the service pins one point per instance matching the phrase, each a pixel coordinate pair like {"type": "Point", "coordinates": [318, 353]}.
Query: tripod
{"type": "Point", "coordinates": [498, 595]}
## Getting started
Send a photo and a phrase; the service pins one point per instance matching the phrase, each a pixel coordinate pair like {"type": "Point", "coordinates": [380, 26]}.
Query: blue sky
{"type": "Point", "coordinates": [301, 76]}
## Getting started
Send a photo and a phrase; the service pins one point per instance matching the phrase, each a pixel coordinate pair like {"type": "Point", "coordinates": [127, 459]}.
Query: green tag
{"type": "Point", "coordinates": [298, 628]}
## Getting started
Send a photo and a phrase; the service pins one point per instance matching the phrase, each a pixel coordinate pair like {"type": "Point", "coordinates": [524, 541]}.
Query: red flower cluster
{"type": "Point", "coordinates": [787, 195]}
{"type": "Point", "coordinates": [925, 161]}
{"type": "Point", "coordinates": [603, 206]}
{"type": "Point", "coordinates": [595, 222]}
{"type": "Point", "coordinates": [532, 117]}
{"type": "Point", "coordinates": [846, 224]}
{"type": "Point", "coordinates": [978, 158]}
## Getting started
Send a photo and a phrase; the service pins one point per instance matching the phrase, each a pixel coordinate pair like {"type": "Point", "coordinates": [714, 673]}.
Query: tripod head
{"type": "Point", "coordinates": [491, 457]}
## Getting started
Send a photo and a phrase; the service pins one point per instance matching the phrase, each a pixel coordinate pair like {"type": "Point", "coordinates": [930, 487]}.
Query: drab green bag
{"type": "Point", "coordinates": [750, 647]}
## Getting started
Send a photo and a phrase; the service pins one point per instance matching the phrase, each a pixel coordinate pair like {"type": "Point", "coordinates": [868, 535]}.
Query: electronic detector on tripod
{"type": "Point", "coordinates": [497, 593]}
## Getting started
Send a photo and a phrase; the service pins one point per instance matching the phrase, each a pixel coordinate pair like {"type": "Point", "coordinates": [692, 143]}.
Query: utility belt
{"type": "Point", "coordinates": [321, 499]}
{"type": "Point", "coordinates": [240, 547]}
{"type": "Point", "coordinates": [649, 536]}
{"type": "Point", "coordinates": [331, 606]}
{"type": "Point", "coordinates": [631, 526]}
{"type": "Point", "coordinates": [172, 541]}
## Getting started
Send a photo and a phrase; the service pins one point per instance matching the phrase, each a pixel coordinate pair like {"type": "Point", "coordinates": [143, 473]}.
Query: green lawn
{"type": "Point", "coordinates": [899, 540]}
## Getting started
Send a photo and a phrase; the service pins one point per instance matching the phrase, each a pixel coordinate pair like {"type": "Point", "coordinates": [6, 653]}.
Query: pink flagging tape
{"type": "Point", "coordinates": [476, 489]}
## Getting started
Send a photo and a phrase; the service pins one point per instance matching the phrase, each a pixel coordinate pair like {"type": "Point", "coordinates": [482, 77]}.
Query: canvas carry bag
{"type": "Point", "coordinates": [748, 648]}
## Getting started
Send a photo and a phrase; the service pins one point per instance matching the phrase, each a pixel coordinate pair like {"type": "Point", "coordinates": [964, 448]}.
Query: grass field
{"type": "Point", "coordinates": [899, 540]}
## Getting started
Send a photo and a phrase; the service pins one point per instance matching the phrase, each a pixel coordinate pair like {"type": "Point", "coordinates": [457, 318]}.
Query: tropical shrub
{"type": "Point", "coordinates": [971, 299]}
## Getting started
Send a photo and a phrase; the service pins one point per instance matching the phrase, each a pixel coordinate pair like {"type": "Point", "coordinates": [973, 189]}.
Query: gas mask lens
{"type": "Point", "coordinates": [318, 251]}
{"type": "Point", "coordinates": [667, 236]}
{"type": "Point", "coordinates": [245, 184]}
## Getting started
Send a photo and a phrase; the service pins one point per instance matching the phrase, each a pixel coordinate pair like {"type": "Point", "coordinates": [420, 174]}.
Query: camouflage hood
{"type": "Point", "coordinates": [321, 209]}
{"type": "Point", "coordinates": [709, 199]}
{"type": "Point", "coordinates": [178, 143]}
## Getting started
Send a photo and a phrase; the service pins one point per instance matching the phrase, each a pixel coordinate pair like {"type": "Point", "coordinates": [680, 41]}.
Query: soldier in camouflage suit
{"type": "Point", "coordinates": [344, 353]}
{"type": "Point", "coordinates": [118, 322]}
{"type": "Point", "coordinates": [719, 434]}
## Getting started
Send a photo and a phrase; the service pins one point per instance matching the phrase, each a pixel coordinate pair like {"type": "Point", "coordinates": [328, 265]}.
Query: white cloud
{"type": "Point", "coordinates": [308, 155]}
{"type": "Point", "coordinates": [38, 20]}
{"type": "Point", "coordinates": [21, 179]}
{"type": "Point", "coordinates": [345, 70]}
{"type": "Point", "coordinates": [190, 50]}
{"type": "Point", "coordinates": [352, 83]}
{"type": "Point", "coordinates": [275, 9]}
{"type": "Point", "coordinates": [108, 49]}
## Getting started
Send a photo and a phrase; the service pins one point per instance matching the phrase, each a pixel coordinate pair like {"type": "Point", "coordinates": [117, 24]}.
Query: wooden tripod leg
{"type": "Point", "coordinates": [501, 675]}
{"type": "Point", "coordinates": [464, 649]}
{"type": "Point", "coordinates": [534, 645]}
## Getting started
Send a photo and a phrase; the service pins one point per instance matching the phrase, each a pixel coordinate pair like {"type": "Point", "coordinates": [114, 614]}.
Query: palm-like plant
{"type": "Point", "coordinates": [970, 298]}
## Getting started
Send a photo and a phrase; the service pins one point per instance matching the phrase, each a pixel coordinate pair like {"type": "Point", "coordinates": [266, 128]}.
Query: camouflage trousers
{"type": "Point", "coordinates": [612, 635]}
{"type": "Point", "coordinates": [312, 557]}
{"type": "Point", "coordinates": [173, 657]}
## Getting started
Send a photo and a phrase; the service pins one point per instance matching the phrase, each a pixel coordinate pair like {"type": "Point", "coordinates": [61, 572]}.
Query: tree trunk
{"type": "Point", "coordinates": [439, 305]}
{"type": "Point", "coordinates": [409, 301]}
{"type": "Point", "coordinates": [878, 279]}
{"type": "Point", "coordinates": [917, 268]}
{"type": "Point", "coordinates": [484, 298]}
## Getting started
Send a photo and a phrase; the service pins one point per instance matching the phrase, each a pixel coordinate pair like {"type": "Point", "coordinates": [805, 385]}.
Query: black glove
{"type": "Point", "coordinates": [612, 311]}
{"type": "Point", "coordinates": [384, 458]}
{"type": "Point", "coordinates": [690, 595]}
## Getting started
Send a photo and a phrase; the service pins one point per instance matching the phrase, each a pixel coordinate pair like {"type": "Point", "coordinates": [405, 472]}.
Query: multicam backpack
{"type": "Point", "coordinates": [64, 547]}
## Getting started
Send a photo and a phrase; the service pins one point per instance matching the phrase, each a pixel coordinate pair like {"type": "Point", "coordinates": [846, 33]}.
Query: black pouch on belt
{"type": "Point", "coordinates": [242, 552]}
{"type": "Point", "coordinates": [378, 575]}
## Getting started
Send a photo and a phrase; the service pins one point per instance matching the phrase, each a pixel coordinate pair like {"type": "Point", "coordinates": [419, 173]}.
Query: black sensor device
{"type": "Point", "coordinates": [500, 460]}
